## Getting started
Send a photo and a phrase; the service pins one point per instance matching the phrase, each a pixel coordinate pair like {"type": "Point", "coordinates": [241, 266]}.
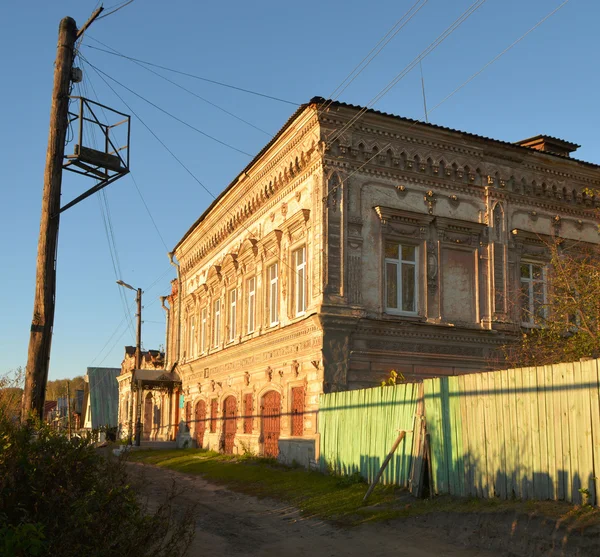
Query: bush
{"type": "Point", "coordinates": [60, 496]}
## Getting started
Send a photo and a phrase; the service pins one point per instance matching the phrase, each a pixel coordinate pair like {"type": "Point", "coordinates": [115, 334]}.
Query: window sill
{"type": "Point", "coordinates": [403, 317]}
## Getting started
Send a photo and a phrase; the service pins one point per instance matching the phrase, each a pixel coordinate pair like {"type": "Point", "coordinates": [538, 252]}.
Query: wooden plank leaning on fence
{"type": "Point", "coordinates": [385, 463]}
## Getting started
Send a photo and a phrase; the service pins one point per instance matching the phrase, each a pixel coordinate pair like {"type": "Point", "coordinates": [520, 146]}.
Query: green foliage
{"type": "Point", "coordinates": [570, 327]}
{"type": "Point", "coordinates": [11, 393]}
{"type": "Point", "coordinates": [61, 496]}
{"type": "Point", "coordinates": [58, 387]}
{"type": "Point", "coordinates": [350, 479]}
{"type": "Point", "coordinates": [394, 378]}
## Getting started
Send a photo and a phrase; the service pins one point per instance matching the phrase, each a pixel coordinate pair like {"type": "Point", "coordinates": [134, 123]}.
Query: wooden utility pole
{"type": "Point", "coordinates": [138, 364]}
{"type": "Point", "coordinates": [40, 340]}
{"type": "Point", "coordinates": [69, 409]}
{"type": "Point", "coordinates": [38, 356]}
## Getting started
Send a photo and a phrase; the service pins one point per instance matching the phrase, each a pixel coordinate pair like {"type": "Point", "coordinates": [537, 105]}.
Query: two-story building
{"type": "Point", "coordinates": [356, 243]}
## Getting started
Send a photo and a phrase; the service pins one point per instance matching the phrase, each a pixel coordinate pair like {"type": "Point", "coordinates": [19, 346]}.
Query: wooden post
{"type": "Point", "coordinates": [38, 356]}
{"type": "Point", "coordinates": [69, 409]}
{"type": "Point", "coordinates": [384, 465]}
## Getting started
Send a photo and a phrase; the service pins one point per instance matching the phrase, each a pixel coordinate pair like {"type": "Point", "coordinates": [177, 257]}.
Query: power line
{"type": "Point", "coordinates": [107, 221]}
{"type": "Point", "coordinates": [397, 27]}
{"type": "Point", "coordinates": [439, 40]}
{"type": "Point", "coordinates": [179, 161]}
{"type": "Point", "coordinates": [120, 7]}
{"type": "Point", "coordinates": [200, 78]}
{"type": "Point", "coordinates": [190, 92]}
{"type": "Point", "coordinates": [135, 183]}
{"type": "Point", "coordinates": [167, 112]}
{"type": "Point", "coordinates": [497, 57]}
{"type": "Point", "coordinates": [457, 89]}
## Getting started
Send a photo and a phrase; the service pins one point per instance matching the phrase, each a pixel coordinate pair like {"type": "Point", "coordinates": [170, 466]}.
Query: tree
{"type": "Point", "coordinates": [566, 324]}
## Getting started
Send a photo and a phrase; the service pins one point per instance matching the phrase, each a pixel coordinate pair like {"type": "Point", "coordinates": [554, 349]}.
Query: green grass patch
{"type": "Point", "coordinates": [339, 498]}
{"type": "Point", "coordinates": [315, 494]}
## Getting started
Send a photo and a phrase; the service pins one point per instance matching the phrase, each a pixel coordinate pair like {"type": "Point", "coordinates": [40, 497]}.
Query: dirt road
{"type": "Point", "coordinates": [233, 524]}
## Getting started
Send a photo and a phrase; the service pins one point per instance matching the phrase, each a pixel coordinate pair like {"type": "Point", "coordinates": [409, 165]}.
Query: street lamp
{"type": "Point", "coordinates": [138, 360]}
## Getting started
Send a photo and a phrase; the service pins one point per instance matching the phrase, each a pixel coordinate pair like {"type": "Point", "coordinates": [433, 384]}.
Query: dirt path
{"type": "Point", "coordinates": [233, 524]}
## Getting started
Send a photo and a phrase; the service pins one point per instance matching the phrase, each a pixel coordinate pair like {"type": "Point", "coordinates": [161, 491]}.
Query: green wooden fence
{"type": "Point", "coordinates": [358, 428]}
{"type": "Point", "coordinates": [531, 433]}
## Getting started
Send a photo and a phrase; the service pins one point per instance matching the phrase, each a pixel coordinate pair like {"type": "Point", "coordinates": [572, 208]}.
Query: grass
{"type": "Point", "coordinates": [339, 499]}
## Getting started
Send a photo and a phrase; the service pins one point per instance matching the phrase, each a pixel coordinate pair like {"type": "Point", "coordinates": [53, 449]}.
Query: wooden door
{"type": "Point", "coordinates": [229, 424]}
{"type": "Point", "coordinates": [200, 422]}
{"type": "Point", "coordinates": [271, 423]}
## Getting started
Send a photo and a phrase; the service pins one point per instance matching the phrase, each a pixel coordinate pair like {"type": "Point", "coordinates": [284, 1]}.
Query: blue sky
{"type": "Point", "coordinates": [547, 84]}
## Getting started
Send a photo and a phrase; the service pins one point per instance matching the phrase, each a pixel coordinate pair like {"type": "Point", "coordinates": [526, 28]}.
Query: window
{"type": "Point", "coordinates": [191, 353]}
{"type": "Point", "coordinates": [251, 289]}
{"type": "Point", "coordinates": [203, 325]}
{"type": "Point", "coordinates": [248, 413]}
{"type": "Point", "coordinates": [298, 411]}
{"type": "Point", "coordinates": [533, 294]}
{"type": "Point", "coordinates": [400, 278]}
{"type": "Point", "coordinates": [299, 265]}
{"type": "Point", "coordinates": [232, 314]}
{"type": "Point", "coordinates": [273, 294]}
{"type": "Point", "coordinates": [217, 322]}
{"type": "Point", "coordinates": [213, 415]}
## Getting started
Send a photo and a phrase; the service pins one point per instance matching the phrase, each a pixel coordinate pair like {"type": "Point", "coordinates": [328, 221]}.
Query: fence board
{"type": "Point", "coordinates": [530, 432]}
{"type": "Point", "coordinates": [593, 369]}
{"type": "Point", "coordinates": [357, 429]}
{"type": "Point", "coordinates": [542, 486]}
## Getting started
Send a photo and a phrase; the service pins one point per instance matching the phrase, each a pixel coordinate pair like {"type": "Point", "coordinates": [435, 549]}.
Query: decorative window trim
{"type": "Point", "coordinates": [404, 223]}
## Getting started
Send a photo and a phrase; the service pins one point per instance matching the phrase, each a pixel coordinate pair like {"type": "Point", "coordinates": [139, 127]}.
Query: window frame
{"type": "Point", "coordinates": [399, 262]}
{"type": "Point", "coordinates": [216, 319]}
{"type": "Point", "coordinates": [203, 329]}
{"type": "Point", "coordinates": [191, 337]}
{"type": "Point", "coordinates": [532, 323]}
{"type": "Point", "coordinates": [251, 305]}
{"type": "Point", "coordinates": [300, 280]}
{"type": "Point", "coordinates": [232, 297]}
{"type": "Point", "coordinates": [273, 294]}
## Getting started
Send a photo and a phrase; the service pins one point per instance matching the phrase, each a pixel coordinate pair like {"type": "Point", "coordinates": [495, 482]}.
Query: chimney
{"type": "Point", "coordinates": [548, 144]}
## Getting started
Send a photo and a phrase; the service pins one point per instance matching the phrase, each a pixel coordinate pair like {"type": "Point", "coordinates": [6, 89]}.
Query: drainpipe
{"type": "Point", "coordinates": [162, 303]}
{"type": "Point", "coordinates": [179, 296]}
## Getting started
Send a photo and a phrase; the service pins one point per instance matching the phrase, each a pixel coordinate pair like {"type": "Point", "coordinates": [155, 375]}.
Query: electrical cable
{"type": "Point", "coordinates": [106, 218]}
{"type": "Point", "coordinates": [193, 93]}
{"type": "Point", "coordinates": [123, 4]}
{"type": "Point", "coordinates": [179, 161]}
{"type": "Point", "coordinates": [439, 40]}
{"type": "Point", "coordinates": [169, 113]}
{"type": "Point", "coordinates": [514, 43]}
{"type": "Point", "coordinates": [498, 56]}
{"type": "Point", "coordinates": [136, 184]}
{"type": "Point", "coordinates": [397, 27]}
{"type": "Point", "coordinates": [200, 78]}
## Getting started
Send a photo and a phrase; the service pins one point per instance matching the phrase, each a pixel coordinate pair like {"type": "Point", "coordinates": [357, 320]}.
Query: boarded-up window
{"type": "Point", "coordinates": [298, 411]}
{"type": "Point", "coordinates": [458, 285]}
{"type": "Point", "coordinates": [213, 415]}
{"type": "Point", "coordinates": [248, 413]}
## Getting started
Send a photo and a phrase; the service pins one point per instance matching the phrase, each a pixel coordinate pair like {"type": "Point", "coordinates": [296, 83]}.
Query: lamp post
{"type": "Point", "coordinates": [138, 360]}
